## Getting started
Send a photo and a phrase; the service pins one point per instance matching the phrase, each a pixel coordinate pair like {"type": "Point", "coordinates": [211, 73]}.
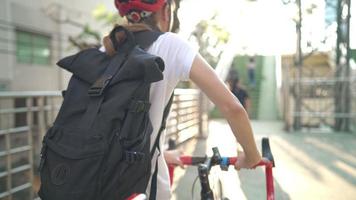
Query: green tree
{"type": "Point", "coordinates": [211, 38]}
{"type": "Point", "coordinates": [89, 37]}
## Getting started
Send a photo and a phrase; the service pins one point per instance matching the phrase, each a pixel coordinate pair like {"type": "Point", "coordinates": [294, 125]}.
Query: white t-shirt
{"type": "Point", "coordinates": [178, 56]}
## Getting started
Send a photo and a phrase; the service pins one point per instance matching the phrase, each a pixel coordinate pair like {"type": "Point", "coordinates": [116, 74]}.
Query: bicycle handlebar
{"type": "Point", "coordinates": [205, 163]}
{"type": "Point", "coordinates": [195, 160]}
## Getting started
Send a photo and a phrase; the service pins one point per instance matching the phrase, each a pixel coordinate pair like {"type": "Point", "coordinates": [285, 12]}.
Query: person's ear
{"type": "Point", "coordinates": [166, 12]}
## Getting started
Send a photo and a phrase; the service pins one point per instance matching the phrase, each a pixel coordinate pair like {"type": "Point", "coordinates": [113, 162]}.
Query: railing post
{"type": "Point", "coordinates": [287, 99]}
{"type": "Point", "coordinates": [8, 160]}
{"type": "Point", "coordinates": [203, 117]}
{"type": "Point", "coordinates": [41, 118]}
{"type": "Point", "coordinates": [177, 102]}
{"type": "Point", "coordinates": [52, 106]}
{"type": "Point", "coordinates": [29, 119]}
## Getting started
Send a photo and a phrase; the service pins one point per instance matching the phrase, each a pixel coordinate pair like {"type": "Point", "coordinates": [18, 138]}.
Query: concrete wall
{"type": "Point", "coordinates": [5, 62]}
{"type": "Point", "coordinates": [33, 16]}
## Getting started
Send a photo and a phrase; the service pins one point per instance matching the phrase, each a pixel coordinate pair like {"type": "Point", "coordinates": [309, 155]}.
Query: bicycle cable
{"type": "Point", "coordinates": [193, 186]}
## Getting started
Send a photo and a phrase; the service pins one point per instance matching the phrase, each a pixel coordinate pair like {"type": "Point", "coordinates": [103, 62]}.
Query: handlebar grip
{"type": "Point", "coordinates": [232, 160]}
{"type": "Point", "coordinates": [266, 150]}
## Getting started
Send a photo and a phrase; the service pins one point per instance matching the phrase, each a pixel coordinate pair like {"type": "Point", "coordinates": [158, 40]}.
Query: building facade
{"type": "Point", "coordinates": [34, 35]}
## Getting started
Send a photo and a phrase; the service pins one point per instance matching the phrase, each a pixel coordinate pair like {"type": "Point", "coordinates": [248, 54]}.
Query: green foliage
{"type": "Point", "coordinates": [353, 54]}
{"type": "Point", "coordinates": [107, 18]}
{"type": "Point", "coordinates": [211, 38]}
{"type": "Point", "coordinates": [90, 37]}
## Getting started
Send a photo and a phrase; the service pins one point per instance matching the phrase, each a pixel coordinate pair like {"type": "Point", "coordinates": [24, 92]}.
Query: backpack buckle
{"type": "Point", "coordinates": [99, 86]}
{"type": "Point", "coordinates": [133, 156]}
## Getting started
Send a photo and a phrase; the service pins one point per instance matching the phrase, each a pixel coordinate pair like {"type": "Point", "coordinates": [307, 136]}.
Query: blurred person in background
{"type": "Point", "coordinates": [251, 66]}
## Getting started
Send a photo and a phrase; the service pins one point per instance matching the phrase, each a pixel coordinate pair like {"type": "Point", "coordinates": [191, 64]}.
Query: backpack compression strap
{"type": "Point", "coordinates": [145, 39]}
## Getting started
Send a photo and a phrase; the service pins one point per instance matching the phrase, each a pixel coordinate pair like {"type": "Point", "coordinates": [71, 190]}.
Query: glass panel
{"type": "Point", "coordinates": [32, 48]}
{"type": "Point", "coordinates": [23, 37]}
{"type": "Point", "coordinates": [41, 49]}
{"type": "Point", "coordinates": [40, 41]}
{"type": "Point", "coordinates": [23, 47]}
{"type": "Point", "coordinates": [24, 54]}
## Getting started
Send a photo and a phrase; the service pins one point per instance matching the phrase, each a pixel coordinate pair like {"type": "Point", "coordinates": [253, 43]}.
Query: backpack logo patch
{"type": "Point", "coordinates": [60, 174]}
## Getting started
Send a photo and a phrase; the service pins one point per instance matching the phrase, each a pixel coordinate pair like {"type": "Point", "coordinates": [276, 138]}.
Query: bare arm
{"type": "Point", "coordinates": [206, 79]}
{"type": "Point", "coordinates": [248, 105]}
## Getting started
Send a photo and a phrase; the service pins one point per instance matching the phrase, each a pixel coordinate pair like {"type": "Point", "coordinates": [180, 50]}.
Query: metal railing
{"type": "Point", "coordinates": [25, 117]}
{"type": "Point", "coordinates": [318, 107]}
{"type": "Point", "coordinates": [188, 116]}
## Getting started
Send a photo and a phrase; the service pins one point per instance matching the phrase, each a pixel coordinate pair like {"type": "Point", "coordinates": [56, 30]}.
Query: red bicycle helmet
{"type": "Point", "coordinates": [126, 6]}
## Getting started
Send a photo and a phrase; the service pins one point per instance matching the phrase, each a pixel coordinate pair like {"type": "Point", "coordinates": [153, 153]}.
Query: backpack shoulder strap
{"type": "Point", "coordinates": [145, 38]}
{"type": "Point", "coordinates": [163, 124]}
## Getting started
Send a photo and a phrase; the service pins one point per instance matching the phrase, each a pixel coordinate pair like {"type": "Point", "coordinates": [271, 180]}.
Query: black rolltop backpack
{"type": "Point", "coordinates": [99, 145]}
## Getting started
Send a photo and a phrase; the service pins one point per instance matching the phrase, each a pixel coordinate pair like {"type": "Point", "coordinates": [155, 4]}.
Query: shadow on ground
{"type": "Point", "coordinates": [334, 151]}
{"type": "Point", "coordinates": [311, 164]}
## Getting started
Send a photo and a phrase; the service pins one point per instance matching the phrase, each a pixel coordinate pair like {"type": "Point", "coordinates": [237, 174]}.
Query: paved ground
{"type": "Point", "coordinates": [308, 165]}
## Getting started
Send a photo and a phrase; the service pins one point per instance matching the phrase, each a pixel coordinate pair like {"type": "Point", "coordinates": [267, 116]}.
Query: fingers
{"type": "Point", "coordinates": [180, 163]}
{"type": "Point", "coordinates": [173, 157]}
{"type": "Point", "coordinates": [177, 157]}
{"type": "Point", "coordinates": [239, 161]}
{"type": "Point", "coordinates": [237, 166]}
{"type": "Point", "coordinates": [242, 162]}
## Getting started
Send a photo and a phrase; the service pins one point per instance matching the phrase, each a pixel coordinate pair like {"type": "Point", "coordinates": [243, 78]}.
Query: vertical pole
{"type": "Point", "coordinates": [206, 115]}
{"type": "Point", "coordinates": [29, 119]}
{"type": "Point", "coordinates": [200, 117]}
{"type": "Point", "coordinates": [53, 109]}
{"type": "Point", "coordinates": [299, 64]}
{"type": "Point", "coordinates": [41, 128]}
{"type": "Point", "coordinates": [59, 48]}
{"type": "Point", "coordinates": [203, 116]}
{"type": "Point", "coordinates": [177, 97]}
{"type": "Point", "coordinates": [41, 118]}
{"type": "Point", "coordinates": [342, 87]}
{"type": "Point", "coordinates": [286, 92]}
{"type": "Point", "coordinates": [8, 158]}
{"type": "Point", "coordinates": [347, 75]}
{"type": "Point", "coordinates": [338, 84]}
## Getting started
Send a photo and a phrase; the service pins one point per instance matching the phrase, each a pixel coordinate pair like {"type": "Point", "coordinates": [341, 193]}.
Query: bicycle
{"type": "Point", "coordinates": [205, 164]}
